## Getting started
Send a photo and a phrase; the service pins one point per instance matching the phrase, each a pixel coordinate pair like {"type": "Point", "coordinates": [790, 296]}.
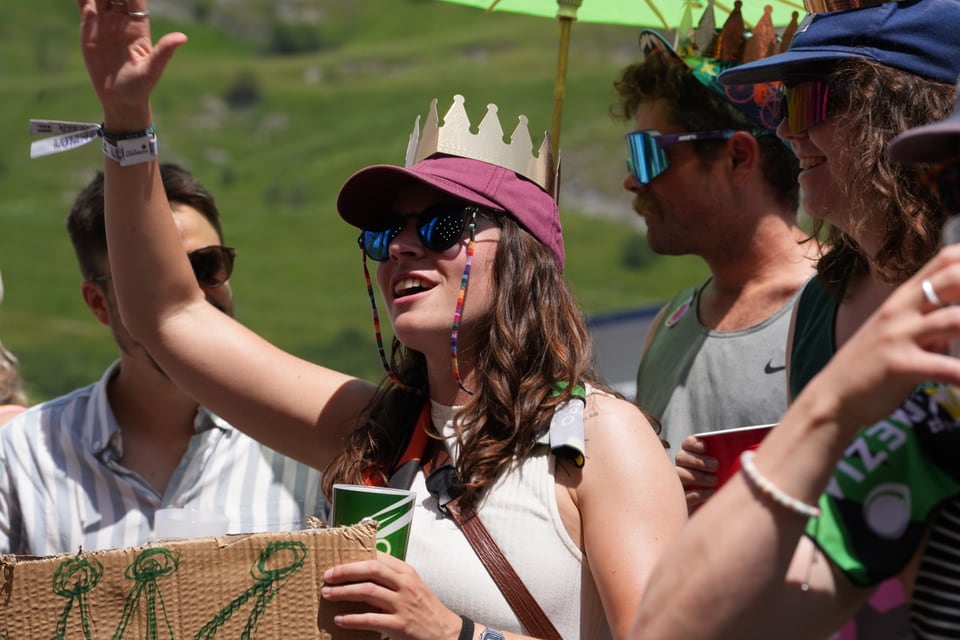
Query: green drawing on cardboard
{"type": "Point", "coordinates": [73, 579]}
{"type": "Point", "coordinates": [151, 565]}
{"type": "Point", "coordinates": [269, 573]}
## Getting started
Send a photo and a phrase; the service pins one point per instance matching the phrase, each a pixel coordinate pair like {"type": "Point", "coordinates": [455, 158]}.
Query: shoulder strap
{"type": "Point", "coordinates": [423, 452]}
{"type": "Point", "coordinates": [443, 485]}
{"type": "Point", "coordinates": [410, 461]}
{"type": "Point", "coordinates": [524, 605]}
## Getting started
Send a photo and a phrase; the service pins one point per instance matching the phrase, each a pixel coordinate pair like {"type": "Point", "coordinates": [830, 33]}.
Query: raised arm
{"type": "Point", "coordinates": [729, 573]}
{"type": "Point", "coordinates": [631, 504]}
{"type": "Point", "coordinates": [290, 404]}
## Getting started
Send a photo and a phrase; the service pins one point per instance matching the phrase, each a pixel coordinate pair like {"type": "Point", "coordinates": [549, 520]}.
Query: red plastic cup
{"type": "Point", "coordinates": [727, 445]}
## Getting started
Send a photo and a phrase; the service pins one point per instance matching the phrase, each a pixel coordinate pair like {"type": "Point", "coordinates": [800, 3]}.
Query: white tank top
{"type": "Point", "coordinates": [520, 511]}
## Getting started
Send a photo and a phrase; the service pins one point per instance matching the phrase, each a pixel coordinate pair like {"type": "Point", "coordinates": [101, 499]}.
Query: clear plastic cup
{"type": "Point", "coordinates": [173, 524]}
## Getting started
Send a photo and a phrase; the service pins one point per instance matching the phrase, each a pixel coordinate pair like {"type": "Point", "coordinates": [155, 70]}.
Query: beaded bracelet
{"type": "Point", "coordinates": [152, 129]}
{"type": "Point", "coordinates": [769, 489]}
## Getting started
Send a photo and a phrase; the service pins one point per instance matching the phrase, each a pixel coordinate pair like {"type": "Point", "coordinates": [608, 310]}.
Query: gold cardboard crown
{"type": "Point", "coordinates": [734, 44]}
{"type": "Point", "coordinates": [487, 145]}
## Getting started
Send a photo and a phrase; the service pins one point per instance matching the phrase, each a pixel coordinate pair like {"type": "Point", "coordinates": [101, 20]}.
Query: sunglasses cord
{"type": "Point", "coordinates": [455, 333]}
{"type": "Point", "coordinates": [376, 328]}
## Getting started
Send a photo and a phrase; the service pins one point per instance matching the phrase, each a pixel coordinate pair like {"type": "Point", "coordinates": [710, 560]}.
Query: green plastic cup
{"type": "Point", "coordinates": [391, 508]}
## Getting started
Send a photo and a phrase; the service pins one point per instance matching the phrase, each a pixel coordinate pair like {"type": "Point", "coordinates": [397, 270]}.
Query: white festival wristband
{"type": "Point", "coordinates": [65, 136]}
{"type": "Point", "coordinates": [132, 151]}
{"type": "Point", "coordinates": [126, 149]}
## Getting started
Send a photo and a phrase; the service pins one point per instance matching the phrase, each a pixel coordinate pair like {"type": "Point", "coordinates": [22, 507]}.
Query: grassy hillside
{"type": "Point", "coordinates": [275, 136]}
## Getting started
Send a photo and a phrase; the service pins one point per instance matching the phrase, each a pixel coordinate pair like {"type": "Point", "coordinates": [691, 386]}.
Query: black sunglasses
{"type": "Point", "coordinates": [439, 227]}
{"type": "Point", "coordinates": [211, 266]}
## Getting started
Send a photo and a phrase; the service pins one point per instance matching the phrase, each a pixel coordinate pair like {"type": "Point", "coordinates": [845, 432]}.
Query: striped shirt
{"type": "Point", "coordinates": [63, 488]}
{"type": "Point", "coordinates": [936, 595]}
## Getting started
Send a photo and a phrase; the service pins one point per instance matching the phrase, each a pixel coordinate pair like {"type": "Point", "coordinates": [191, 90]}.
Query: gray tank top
{"type": "Point", "coordinates": [693, 379]}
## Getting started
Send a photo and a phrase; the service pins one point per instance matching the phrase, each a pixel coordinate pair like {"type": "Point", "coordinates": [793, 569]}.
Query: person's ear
{"type": "Point", "coordinates": [96, 300]}
{"type": "Point", "coordinates": [744, 153]}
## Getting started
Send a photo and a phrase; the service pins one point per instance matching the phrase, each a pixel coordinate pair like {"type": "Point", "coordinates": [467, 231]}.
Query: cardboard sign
{"type": "Point", "coordinates": [261, 586]}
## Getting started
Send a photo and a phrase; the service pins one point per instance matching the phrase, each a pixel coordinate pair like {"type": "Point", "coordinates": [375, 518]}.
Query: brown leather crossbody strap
{"type": "Point", "coordinates": [429, 455]}
{"type": "Point", "coordinates": [531, 616]}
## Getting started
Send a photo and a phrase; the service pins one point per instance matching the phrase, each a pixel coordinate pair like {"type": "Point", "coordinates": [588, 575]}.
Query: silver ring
{"type": "Point", "coordinates": [138, 14]}
{"type": "Point", "coordinates": [930, 293]}
{"type": "Point", "coordinates": [118, 3]}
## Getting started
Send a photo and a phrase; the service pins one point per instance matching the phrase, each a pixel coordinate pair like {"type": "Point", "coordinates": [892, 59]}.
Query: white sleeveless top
{"type": "Point", "coordinates": [520, 511]}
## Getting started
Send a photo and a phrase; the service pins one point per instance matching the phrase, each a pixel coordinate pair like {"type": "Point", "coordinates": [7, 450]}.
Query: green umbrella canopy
{"type": "Point", "coordinates": [655, 14]}
{"type": "Point", "coordinates": [678, 15]}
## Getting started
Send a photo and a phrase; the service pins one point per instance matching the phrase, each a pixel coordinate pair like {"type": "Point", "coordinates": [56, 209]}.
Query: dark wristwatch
{"type": "Point", "coordinates": [491, 634]}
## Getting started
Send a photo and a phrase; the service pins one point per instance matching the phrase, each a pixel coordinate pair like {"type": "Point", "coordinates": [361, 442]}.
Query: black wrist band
{"type": "Point", "coordinates": [466, 628]}
{"type": "Point", "coordinates": [109, 135]}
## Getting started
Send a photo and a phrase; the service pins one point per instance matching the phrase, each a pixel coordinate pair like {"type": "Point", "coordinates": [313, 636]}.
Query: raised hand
{"type": "Point", "coordinates": [122, 62]}
{"type": "Point", "coordinates": [904, 342]}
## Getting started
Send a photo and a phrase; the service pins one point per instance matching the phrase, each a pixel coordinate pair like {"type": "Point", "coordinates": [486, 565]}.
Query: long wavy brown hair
{"type": "Point", "coordinates": [878, 103]}
{"type": "Point", "coordinates": [535, 337]}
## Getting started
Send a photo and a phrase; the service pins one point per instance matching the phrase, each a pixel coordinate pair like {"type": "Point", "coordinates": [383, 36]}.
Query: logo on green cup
{"type": "Point", "coordinates": [393, 526]}
{"type": "Point", "coordinates": [391, 508]}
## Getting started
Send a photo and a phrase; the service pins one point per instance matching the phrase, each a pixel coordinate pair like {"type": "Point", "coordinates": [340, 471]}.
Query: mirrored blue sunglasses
{"type": "Point", "coordinates": [439, 227]}
{"type": "Point", "coordinates": [647, 155]}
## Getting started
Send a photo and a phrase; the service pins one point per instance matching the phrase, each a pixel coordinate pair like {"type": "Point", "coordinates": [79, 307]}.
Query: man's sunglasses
{"type": "Point", "coordinates": [439, 227]}
{"type": "Point", "coordinates": [211, 266]}
{"type": "Point", "coordinates": [944, 180]}
{"type": "Point", "coordinates": [647, 155]}
{"type": "Point", "coordinates": [807, 104]}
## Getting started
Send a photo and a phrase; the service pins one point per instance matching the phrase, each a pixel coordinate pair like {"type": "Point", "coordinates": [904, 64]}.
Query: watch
{"type": "Point", "coordinates": [491, 634]}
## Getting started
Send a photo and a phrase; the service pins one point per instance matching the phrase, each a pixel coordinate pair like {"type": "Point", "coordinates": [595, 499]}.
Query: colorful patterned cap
{"type": "Point", "coordinates": [708, 52]}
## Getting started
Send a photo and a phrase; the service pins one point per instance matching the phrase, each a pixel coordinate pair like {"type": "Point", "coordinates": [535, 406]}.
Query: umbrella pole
{"type": "Point", "coordinates": [560, 88]}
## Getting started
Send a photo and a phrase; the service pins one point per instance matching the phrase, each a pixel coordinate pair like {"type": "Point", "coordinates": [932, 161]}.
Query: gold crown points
{"type": "Point", "coordinates": [487, 145]}
{"type": "Point", "coordinates": [734, 43]}
{"type": "Point", "coordinates": [826, 6]}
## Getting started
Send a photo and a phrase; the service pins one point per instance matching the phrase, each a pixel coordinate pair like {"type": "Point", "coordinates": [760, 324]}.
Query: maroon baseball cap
{"type": "Point", "coordinates": [367, 197]}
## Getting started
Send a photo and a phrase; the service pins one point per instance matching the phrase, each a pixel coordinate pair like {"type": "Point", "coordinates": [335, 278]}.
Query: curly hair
{"type": "Point", "coordinates": [535, 337]}
{"type": "Point", "coordinates": [880, 102]}
{"type": "Point", "coordinates": [695, 107]}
